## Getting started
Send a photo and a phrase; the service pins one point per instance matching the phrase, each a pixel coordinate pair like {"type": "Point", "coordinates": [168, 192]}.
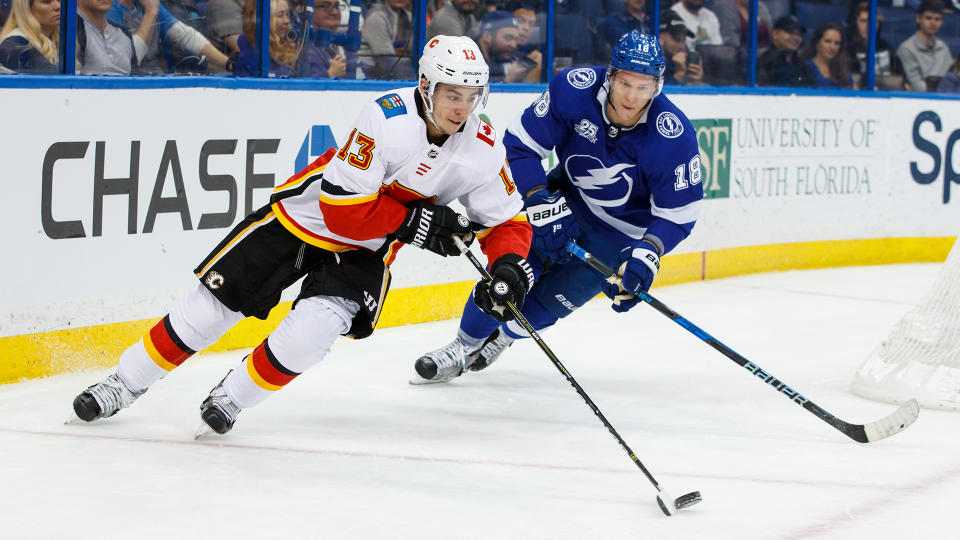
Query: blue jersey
{"type": "Point", "coordinates": [627, 182]}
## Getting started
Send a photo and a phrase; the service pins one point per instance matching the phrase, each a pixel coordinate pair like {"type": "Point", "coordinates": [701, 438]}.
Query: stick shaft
{"type": "Point", "coordinates": [563, 370]}
{"type": "Point", "coordinates": [856, 432]}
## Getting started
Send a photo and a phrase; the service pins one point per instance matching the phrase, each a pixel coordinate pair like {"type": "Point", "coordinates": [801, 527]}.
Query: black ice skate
{"type": "Point", "coordinates": [104, 399]}
{"type": "Point", "coordinates": [443, 364]}
{"type": "Point", "coordinates": [492, 348]}
{"type": "Point", "coordinates": [218, 412]}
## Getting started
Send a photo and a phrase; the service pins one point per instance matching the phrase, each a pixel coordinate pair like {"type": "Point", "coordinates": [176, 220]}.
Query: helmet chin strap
{"type": "Point", "coordinates": [428, 106]}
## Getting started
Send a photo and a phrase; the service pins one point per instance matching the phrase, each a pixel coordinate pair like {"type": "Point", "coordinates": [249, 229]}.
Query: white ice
{"type": "Point", "coordinates": [350, 450]}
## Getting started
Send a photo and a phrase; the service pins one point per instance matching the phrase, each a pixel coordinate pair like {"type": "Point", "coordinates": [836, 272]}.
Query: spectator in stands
{"type": "Point", "coordinates": [528, 53]}
{"type": "Point", "coordinates": [224, 23]}
{"type": "Point", "coordinates": [950, 83]}
{"type": "Point", "coordinates": [166, 41]}
{"type": "Point", "coordinates": [525, 13]}
{"type": "Point", "coordinates": [455, 18]}
{"type": "Point", "coordinates": [283, 51]}
{"type": "Point", "coordinates": [673, 40]}
{"type": "Point", "coordinates": [387, 40]}
{"type": "Point", "coordinates": [827, 59]}
{"type": "Point", "coordinates": [734, 17]}
{"type": "Point", "coordinates": [780, 65]}
{"type": "Point", "coordinates": [922, 54]}
{"type": "Point", "coordinates": [103, 48]}
{"type": "Point", "coordinates": [701, 21]}
{"type": "Point", "coordinates": [885, 61]}
{"type": "Point", "coordinates": [30, 39]}
{"type": "Point", "coordinates": [329, 61]}
{"type": "Point", "coordinates": [632, 16]}
{"type": "Point", "coordinates": [498, 42]}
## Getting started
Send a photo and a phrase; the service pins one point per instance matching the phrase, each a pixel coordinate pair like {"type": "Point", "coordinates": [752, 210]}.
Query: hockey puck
{"type": "Point", "coordinates": [688, 500]}
{"type": "Point", "coordinates": [681, 502]}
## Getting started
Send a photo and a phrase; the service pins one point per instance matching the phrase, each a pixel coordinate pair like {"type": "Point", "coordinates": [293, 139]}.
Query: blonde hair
{"type": "Point", "coordinates": [281, 50]}
{"type": "Point", "coordinates": [21, 17]}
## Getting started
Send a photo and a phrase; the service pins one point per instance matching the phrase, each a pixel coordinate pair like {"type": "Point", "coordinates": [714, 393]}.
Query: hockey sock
{"type": "Point", "coordinates": [475, 325]}
{"type": "Point", "coordinates": [194, 324]}
{"type": "Point", "coordinates": [303, 339]}
{"type": "Point", "coordinates": [537, 315]}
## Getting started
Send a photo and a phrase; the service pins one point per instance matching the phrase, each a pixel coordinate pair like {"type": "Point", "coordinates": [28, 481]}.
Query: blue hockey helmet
{"type": "Point", "coordinates": [639, 53]}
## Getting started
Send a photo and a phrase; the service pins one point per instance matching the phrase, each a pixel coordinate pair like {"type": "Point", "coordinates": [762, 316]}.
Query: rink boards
{"type": "Point", "coordinates": [115, 195]}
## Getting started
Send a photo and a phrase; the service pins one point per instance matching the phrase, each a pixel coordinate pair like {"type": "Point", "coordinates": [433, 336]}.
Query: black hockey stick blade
{"type": "Point", "coordinates": [891, 424]}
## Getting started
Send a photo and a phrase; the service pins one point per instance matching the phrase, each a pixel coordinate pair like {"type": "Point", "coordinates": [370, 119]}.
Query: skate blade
{"type": "Point", "coordinates": [203, 431]}
{"type": "Point", "coordinates": [417, 380]}
{"type": "Point", "coordinates": [73, 419]}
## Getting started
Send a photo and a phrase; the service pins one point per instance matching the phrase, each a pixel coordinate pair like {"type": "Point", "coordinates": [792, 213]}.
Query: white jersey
{"type": "Point", "coordinates": [355, 198]}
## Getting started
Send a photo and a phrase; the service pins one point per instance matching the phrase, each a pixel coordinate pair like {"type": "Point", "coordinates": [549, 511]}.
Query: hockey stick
{"type": "Point", "coordinates": [679, 503]}
{"type": "Point", "coordinates": [889, 425]}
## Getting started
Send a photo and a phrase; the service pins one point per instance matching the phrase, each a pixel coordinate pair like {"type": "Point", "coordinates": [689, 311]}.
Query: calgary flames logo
{"type": "Point", "coordinates": [214, 280]}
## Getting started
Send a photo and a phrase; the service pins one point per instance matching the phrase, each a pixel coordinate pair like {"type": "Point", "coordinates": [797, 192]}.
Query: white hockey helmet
{"type": "Point", "coordinates": [454, 60]}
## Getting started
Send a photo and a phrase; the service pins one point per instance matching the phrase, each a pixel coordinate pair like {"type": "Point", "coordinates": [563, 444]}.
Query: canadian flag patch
{"type": "Point", "coordinates": [486, 133]}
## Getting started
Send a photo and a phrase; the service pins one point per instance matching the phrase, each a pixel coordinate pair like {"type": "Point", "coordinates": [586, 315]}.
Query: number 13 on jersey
{"type": "Point", "coordinates": [362, 158]}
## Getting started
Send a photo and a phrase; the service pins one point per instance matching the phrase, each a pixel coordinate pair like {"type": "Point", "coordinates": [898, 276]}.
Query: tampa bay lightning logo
{"type": "Point", "coordinates": [605, 187]}
{"type": "Point", "coordinates": [669, 125]}
{"type": "Point", "coordinates": [582, 78]}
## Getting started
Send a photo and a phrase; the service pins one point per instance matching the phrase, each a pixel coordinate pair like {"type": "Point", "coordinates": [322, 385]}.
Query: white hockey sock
{"type": "Point", "coordinates": [302, 340]}
{"type": "Point", "coordinates": [195, 323]}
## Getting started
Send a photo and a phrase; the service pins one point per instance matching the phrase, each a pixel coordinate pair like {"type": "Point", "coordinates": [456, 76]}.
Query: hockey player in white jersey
{"type": "Point", "coordinates": [340, 222]}
{"type": "Point", "coordinates": [627, 188]}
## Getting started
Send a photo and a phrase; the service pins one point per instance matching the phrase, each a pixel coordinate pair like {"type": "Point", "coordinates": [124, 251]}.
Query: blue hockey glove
{"type": "Point", "coordinates": [553, 224]}
{"type": "Point", "coordinates": [512, 279]}
{"type": "Point", "coordinates": [638, 267]}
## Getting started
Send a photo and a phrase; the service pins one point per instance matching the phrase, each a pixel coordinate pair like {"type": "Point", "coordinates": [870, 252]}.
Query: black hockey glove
{"type": "Point", "coordinates": [430, 226]}
{"type": "Point", "coordinates": [512, 279]}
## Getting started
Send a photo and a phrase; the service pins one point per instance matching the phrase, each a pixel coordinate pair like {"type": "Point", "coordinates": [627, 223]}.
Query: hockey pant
{"type": "Point", "coordinates": [342, 294]}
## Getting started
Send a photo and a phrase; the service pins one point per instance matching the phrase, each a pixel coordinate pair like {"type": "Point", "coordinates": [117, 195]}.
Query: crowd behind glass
{"type": "Point", "coordinates": [787, 43]}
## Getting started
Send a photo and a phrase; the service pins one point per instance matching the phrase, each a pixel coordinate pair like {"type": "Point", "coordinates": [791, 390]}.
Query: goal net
{"type": "Point", "coordinates": [921, 356]}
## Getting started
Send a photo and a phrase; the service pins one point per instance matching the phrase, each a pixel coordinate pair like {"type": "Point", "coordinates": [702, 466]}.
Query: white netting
{"type": "Point", "coordinates": [921, 357]}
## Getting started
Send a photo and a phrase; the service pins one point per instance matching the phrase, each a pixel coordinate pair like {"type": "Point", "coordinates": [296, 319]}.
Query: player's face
{"type": "Point", "coordinates": [629, 94]}
{"type": "Point", "coordinates": [452, 106]}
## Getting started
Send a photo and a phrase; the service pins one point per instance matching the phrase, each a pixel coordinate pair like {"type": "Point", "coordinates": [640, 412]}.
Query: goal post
{"type": "Point", "coordinates": [920, 358]}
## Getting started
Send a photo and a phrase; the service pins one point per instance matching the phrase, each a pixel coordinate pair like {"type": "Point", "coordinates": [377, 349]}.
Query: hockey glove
{"type": "Point", "coordinates": [430, 226]}
{"type": "Point", "coordinates": [553, 224]}
{"type": "Point", "coordinates": [638, 267]}
{"type": "Point", "coordinates": [512, 279]}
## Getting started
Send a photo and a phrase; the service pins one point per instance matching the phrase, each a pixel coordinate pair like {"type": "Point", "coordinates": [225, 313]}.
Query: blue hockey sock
{"type": "Point", "coordinates": [537, 315]}
{"type": "Point", "coordinates": [475, 325]}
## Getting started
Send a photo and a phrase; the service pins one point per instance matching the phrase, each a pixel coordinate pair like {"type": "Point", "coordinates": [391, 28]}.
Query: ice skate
{"type": "Point", "coordinates": [443, 364]}
{"type": "Point", "coordinates": [218, 413]}
{"type": "Point", "coordinates": [491, 349]}
{"type": "Point", "coordinates": [104, 399]}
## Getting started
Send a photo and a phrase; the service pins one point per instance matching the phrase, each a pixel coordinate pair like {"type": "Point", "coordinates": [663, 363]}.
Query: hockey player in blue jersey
{"type": "Point", "coordinates": [627, 188]}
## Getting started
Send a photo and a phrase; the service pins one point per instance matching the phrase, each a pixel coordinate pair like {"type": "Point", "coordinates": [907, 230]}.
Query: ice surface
{"type": "Point", "coordinates": [350, 450]}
